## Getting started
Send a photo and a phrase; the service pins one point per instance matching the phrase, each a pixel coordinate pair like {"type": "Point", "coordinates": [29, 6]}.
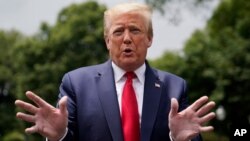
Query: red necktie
{"type": "Point", "coordinates": [130, 114]}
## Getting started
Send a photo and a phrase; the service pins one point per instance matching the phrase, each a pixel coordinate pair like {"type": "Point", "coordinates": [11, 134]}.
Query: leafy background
{"type": "Point", "coordinates": [215, 61]}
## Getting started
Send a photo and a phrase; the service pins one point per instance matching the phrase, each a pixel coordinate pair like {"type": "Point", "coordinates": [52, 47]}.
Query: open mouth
{"type": "Point", "coordinates": [128, 50]}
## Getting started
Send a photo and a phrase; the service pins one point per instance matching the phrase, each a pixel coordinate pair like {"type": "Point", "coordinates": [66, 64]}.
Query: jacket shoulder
{"type": "Point", "coordinates": [88, 70]}
{"type": "Point", "coordinates": [167, 76]}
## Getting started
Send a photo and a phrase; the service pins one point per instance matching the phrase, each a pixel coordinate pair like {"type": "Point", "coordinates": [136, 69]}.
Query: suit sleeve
{"type": "Point", "coordinates": [67, 90]}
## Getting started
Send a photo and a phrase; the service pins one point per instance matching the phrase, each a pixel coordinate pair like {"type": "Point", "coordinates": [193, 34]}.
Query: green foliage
{"type": "Point", "coordinates": [212, 136]}
{"type": "Point", "coordinates": [14, 136]}
{"type": "Point", "coordinates": [38, 62]}
{"type": "Point", "coordinates": [216, 62]}
{"type": "Point", "coordinates": [231, 36]}
{"type": "Point", "coordinates": [163, 5]}
{"type": "Point", "coordinates": [7, 110]}
{"type": "Point", "coordinates": [169, 62]}
{"type": "Point", "coordinates": [75, 40]}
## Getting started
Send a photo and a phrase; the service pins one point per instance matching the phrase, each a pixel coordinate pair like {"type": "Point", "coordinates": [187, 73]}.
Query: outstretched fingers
{"type": "Point", "coordinates": [198, 103]}
{"type": "Point", "coordinates": [205, 109]}
{"type": "Point", "coordinates": [206, 128]}
{"type": "Point", "coordinates": [26, 117]}
{"type": "Point", "coordinates": [174, 108]}
{"type": "Point", "coordinates": [31, 130]}
{"type": "Point", "coordinates": [207, 118]}
{"type": "Point", "coordinates": [26, 106]}
{"type": "Point", "coordinates": [36, 99]}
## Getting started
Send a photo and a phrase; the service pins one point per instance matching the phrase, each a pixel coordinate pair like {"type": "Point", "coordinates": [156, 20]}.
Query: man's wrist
{"type": "Point", "coordinates": [64, 135]}
{"type": "Point", "coordinates": [66, 131]}
{"type": "Point", "coordinates": [171, 138]}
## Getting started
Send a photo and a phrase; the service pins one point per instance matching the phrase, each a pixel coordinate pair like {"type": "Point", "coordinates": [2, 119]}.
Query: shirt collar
{"type": "Point", "coordinates": [119, 73]}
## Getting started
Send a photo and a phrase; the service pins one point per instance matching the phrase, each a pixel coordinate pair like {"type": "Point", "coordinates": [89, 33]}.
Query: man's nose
{"type": "Point", "coordinates": [127, 38]}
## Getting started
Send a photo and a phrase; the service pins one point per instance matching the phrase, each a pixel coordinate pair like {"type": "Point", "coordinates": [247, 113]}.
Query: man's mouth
{"type": "Point", "coordinates": [127, 50]}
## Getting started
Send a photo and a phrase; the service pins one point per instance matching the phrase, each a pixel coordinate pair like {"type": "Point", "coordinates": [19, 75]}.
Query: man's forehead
{"type": "Point", "coordinates": [127, 15]}
{"type": "Point", "coordinates": [130, 23]}
{"type": "Point", "coordinates": [128, 20]}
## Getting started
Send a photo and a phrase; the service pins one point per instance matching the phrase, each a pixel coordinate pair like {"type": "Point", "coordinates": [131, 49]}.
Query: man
{"type": "Point", "coordinates": [123, 99]}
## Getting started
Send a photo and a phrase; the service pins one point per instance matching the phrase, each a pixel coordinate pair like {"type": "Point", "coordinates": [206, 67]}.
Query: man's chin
{"type": "Point", "coordinates": [130, 61]}
{"type": "Point", "coordinates": [130, 65]}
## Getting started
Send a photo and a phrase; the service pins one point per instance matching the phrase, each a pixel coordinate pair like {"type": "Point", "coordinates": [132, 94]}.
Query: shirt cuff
{"type": "Point", "coordinates": [170, 137]}
{"type": "Point", "coordinates": [63, 135]}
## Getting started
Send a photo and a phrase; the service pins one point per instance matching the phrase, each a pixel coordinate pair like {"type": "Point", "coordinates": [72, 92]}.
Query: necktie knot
{"type": "Point", "coordinates": [130, 75]}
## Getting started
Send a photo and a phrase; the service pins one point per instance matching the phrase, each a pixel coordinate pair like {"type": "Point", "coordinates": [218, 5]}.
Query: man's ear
{"type": "Point", "coordinates": [150, 39]}
{"type": "Point", "coordinates": [107, 42]}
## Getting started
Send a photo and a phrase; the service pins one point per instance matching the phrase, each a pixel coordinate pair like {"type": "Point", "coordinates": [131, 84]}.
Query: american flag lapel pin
{"type": "Point", "coordinates": [157, 85]}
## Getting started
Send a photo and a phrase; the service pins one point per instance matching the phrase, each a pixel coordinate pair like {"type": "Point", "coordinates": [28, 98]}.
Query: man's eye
{"type": "Point", "coordinates": [118, 32]}
{"type": "Point", "coordinates": [135, 31]}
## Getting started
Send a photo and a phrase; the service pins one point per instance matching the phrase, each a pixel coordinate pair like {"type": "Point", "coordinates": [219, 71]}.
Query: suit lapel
{"type": "Point", "coordinates": [151, 100]}
{"type": "Point", "coordinates": [108, 97]}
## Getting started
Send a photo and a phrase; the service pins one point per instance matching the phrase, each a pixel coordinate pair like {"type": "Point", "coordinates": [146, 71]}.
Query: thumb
{"type": "Point", "coordinates": [63, 105]}
{"type": "Point", "coordinates": [174, 107]}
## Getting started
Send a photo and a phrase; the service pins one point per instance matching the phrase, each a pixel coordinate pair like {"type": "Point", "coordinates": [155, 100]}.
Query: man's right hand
{"type": "Point", "coordinates": [190, 122]}
{"type": "Point", "coordinates": [48, 121]}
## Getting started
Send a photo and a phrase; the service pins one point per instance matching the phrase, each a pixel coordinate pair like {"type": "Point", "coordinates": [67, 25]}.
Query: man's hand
{"type": "Point", "coordinates": [188, 123]}
{"type": "Point", "coordinates": [48, 121]}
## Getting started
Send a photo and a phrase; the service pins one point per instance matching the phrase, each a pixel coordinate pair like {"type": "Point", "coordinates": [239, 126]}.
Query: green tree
{"type": "Point", "coordinates": [229, 30]}
{"type": "Point", "coordinates": [7, 110]}
{"type": "Point", "coordinates": [216, 62]}
{"type": "Point", "coordinates": [173, 10]}
{"type": "Point", "coordinates": [38, 62]}
{"type": "Point", "coordinates": [160, 5]}
{"type": "Point", "coordinates": [76, 40]}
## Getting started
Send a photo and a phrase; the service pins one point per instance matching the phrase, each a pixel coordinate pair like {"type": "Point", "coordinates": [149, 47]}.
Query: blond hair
{"type": "Point", "coordinates": [142, 9]}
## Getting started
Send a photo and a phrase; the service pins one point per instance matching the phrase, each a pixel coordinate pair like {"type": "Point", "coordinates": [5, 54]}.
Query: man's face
{"type": "Point", "coordinates": [128, 40]}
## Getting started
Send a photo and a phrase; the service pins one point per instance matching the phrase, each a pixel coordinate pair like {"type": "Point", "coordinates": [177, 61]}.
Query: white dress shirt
{"type": "Point", "coordinates": [138, 84]}
{"type": "Point", "coordinates": [120, 79]}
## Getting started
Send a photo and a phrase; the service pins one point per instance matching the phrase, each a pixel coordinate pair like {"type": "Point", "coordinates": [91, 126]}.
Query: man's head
{"type": "Point", "coordinates": [128, 34]}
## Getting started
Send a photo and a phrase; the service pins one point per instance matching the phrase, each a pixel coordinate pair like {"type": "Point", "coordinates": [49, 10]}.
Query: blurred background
{"type": "Point", "coordinates": [207, 42]}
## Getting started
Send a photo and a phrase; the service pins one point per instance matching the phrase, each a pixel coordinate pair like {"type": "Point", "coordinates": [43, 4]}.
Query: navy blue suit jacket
{"type": "Point", "coordinates": [93, 105]}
